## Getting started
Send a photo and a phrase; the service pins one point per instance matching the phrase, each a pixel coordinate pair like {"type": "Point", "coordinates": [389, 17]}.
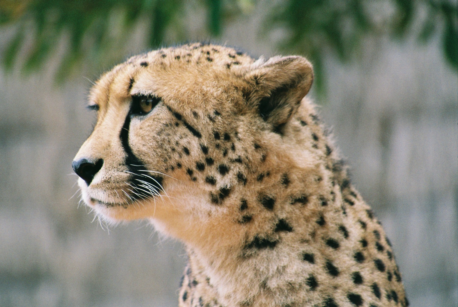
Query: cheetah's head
{"type": "Point", "coordinates": [181, 131]}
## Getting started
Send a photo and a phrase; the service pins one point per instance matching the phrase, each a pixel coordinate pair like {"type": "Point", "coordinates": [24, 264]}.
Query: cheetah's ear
{"type": "Point", "coordinates": [277, 87]}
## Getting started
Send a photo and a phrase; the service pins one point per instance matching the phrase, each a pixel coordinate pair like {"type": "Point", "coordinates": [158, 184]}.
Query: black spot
{"type": "Point", "coordinates": [214, 198]}
{"type": "Point", "coordinates": [388, 241]}
{"type": "Point", "coordinates": [267, 201]}
{"type": "Point", "coordinates": [345, 184]}
{"type": "Point", "coordinates": [357, 278]}
{"type": "Point", "coordinates": [243, 204]}
{"type": "Point", "coordinates": [328, 150]}
{"type": "Point", "coordinates": [332, 269]}
{"type": "Point", "coordinates": [379, 247]}
{"type": "Point", "coordinates": [301, 199]}
{"type": "Point", "coordinates": [321, 221]}
{"type": "Point", "coordinates": [260, 177]}
{"type": "Point", "coordinates": [389, 276]}
{"type": "Point", "coordinates": [163, 55]}
{"type": "Point", "coordinates": [359, 257]}
{"type": "Point", "coordinates": [279, 129]}
{"type": "Point", "coordinates": [225, 152]}
{"type": "Point", "coordinates": [350, 202]}
{"type": "Point", "coordinates": [388, 295]}
{"type": "Point", "coordinates": [263, 157]}
{"type": "Point", "coordinates": [231, 56]}
{"type": "Point", "coordinates": [131, 83]}
{"type": "Point", "coordinates": [233, 147]}
{"type": "Point", "coordinates": [285, 180]}
{"type": "Point", "coordinates": [315, 137]}
{"type": "Point", "coordinates": [216, 135]}
{"type": "Point", "coordinates": [398, 276]}
{"type": "Point", "coordinates": [394, 295]}
{"type": "Point", "coordinates": [370, 214]}
{"type": "Point", "coordinates": [324, 202]}
{"type": "Point", "coordinates": [177, 57]}
{"type": "Point", "coordinates": [209, 59]}
{"type": "Point", "coordinates": [379, 265]}
{"type": "Point", "coordinates": [223, 169]}
{"type": "Point", "coordinates": [186, 150]}
{"type": "Point", "coordinates": [144, 64]}
{"type": "Point", "coordinates": [204, 149]}
{"type": "Point", "coordinates": [245, 219]}
{"type": "Point", "coordinates": [312, 282]}
{"type": "Point", "coordinates": [200, 166]}
{"type": "Point", "coordinates": [332, 243]}
{"type": "Point", "coordinates": [376, 290]}
{"type": "Point", "coordinates": [390, 255]}
{"type": "Point", "coordinates": [210, 180]}
{"type": "Point", "coordinates": [329, 302]}
{"type": "Point", "coordinates": [303, 123]}
{"type": "Point", "coordinates": [363, 224]}
{"type": "Point", "coordinates": [344, 231]}
{"type": "Point", "coordinates": [194, 113]}
{"type": "Point", "coordinates": [256, 146]}
{"type": "Point", "coordinates": [209, 161]}
{"type": "Point", "coordinates": [308, 257]}
{"type": "Point", "coordinates": [189, 171]}
{"type": "Point", "coordinates": [226, 137]}
{"type": "Point", "coordinates": [241, 178]}
{"type": "Point", "coordinates": [363, 242]}
{"type": "Point", "coordinates": [237, 160]}
{"type": "Point", "coordinates": [355, 299]}
{"type": "Point", "coordinates": [261, 243]}
{"type": "Point", "coordinates": [283, 225]}
{"type": "Point", "coordinates": [178, 165]}
{"type": "Point", "coordinates": [224, 192]}
{"type": "Point", "coordinates": [377, 234]}
{"type": "Point", "coordinates": [185, 296]}
{"type": "Point", "coordinates": [344, 210]}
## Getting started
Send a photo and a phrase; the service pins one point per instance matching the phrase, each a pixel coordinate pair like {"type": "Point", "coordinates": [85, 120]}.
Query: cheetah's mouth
{"type": "Point", "coordinates": [94, 201]}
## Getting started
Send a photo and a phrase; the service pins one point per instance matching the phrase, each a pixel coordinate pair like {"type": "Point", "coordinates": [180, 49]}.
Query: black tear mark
{"type": "Point", "coordinates": [143, 184]}
{"type": "Point", "coordinates": [283, 225]}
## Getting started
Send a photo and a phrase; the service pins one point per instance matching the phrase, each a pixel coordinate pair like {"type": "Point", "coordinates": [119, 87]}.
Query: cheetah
{"type": "Point", "coordinates": [227, 154]}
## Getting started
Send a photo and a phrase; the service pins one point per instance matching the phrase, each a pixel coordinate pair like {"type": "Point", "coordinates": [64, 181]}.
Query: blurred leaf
{"type": "Point", "coordinates": [13, 49]}
{"type": "Point", "coordinates": [451, 44]}
{"type": "Point", "coordinates": [214, 16]}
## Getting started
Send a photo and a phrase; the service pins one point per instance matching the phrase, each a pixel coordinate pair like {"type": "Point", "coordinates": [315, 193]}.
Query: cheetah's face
{"type": "Point", "coordinates": [176, 130]}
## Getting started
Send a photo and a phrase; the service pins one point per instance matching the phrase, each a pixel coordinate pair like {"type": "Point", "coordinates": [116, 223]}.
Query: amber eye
{"type": "Point", "coordinates": [146, 104]}
{"type": "Point", "coordinates": [143, 104]}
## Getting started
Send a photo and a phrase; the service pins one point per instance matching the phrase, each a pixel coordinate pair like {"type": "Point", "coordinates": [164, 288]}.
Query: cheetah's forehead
{"type": "Point", "coordinates": [169, 70]}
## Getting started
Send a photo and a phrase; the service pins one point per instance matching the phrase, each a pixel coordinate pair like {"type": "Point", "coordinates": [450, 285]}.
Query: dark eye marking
{"type": "Point", "coordinates": [93, 107]}
{"type": "Point", "coordinates": [143, 104]}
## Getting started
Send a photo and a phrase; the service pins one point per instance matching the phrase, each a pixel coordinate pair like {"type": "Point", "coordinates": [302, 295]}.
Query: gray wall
{"type": "Point", "coordinates": [394, 113]}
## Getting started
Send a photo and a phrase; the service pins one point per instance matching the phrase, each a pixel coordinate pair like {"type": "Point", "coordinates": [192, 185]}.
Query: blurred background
{"type": "Point", "coordinates": [386, 83]}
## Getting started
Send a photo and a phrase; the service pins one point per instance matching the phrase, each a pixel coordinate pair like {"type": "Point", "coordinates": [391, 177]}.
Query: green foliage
{"type": "Point", "coordinates": [315, 28]}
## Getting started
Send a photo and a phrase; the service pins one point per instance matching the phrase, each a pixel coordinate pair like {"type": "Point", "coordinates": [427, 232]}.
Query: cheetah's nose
{"type": "Point", "coordinates": [87, 169]}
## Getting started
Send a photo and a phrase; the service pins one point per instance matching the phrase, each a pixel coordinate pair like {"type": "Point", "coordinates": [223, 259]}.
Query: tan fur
{"type": "Point", "coordinates": [254, 205]}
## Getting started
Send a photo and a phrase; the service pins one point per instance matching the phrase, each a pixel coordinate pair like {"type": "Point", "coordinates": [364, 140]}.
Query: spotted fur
{"type": "Point", "coordinates": [233, 161]}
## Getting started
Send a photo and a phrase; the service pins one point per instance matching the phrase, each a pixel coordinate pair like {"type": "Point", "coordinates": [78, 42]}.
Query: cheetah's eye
{"type": "Point", "coordinates": [143, 104]}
